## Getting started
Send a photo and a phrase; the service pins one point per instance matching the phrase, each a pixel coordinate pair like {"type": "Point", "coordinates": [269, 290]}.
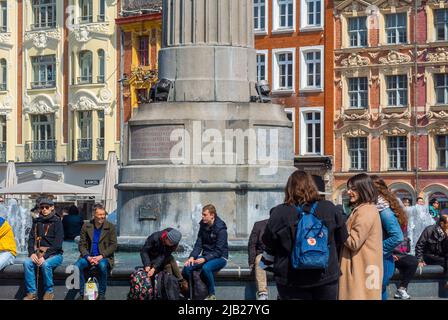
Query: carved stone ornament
{"type": "Point", "coordinates": [442, 115]}
{"type": "Point", "coordinates": [394, 132]}
{"type": "Point", "coordinates": [395, 57]}
{"type": "Point", "coordinates": [355, 132]}
{"type": "Point", "coordinates": [5, 37]}
{"type": "Point", "coordinates": [6, 107]}
{"type": "Point", "coordinates": [40, 106]}
{"type": "Point", "coordinates": [40, 38]}
{"type": "Point", "coordinates": [83, 33]}
{"type": "Point", "coordinates": [374, 55]}
{"type": "Point", "coordinates": [84, 103]}
{"type": "Point", "coordinates": [354, 116]}
{"type": "Point", "coordinates": [355, 60]}
{"type": "Point", "coordinates": [441, 129]}
{"type": "Point", "coordinates": [105, 95]}
{"type": "Point", "coordinates": [393, 116]}
{"type": "Point", "coordinates": [441, 55]}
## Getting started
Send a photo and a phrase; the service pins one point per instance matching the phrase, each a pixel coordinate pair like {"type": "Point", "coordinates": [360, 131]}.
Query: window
{"type": "Point", "coordinates": [357, 31]}
{"type": "Point", "coordinates": [311, 131]}
{"type": "Point", "coordinates": [85, 66]}
{"type": "Point", "coordinates": [85, 135]}
{"type": "Point", "coordinates": [397, 150]}
{"type": "Point", "coordinates": [311, 13]}
{"type": "Point", "coordinates": [441, 88]}
{"type": "Point", "coordinates": [44, 71]}
{"type": "Point", "coordinates": [42, 127]}
{"type": "Point", "coordinates": [101, 66]}
{"type": "Point", "coordinates": [442, 151]}
{"type": "Point", "coordinates": [3, 75]}
{"type": "Point", "coordinates": [311, 68]}
{"type": "Point", "coordinates": [441, 24]}
{"type": "Point", "coordinates": [3, 16]}
{"type": "Point", "coordinates": [291, 115]}
{"type": "Point", "coordinates": [284, 12]}
{"type": "Point", "coordinates": [43, 146]}
{"type": "Point", "coordinates": [102, 15]}
{"type": "Point", "coordinates": [283, 71]}
{"type": "Point", "coordinates": [259, 15]}
{"type": "Point", "coordinates": [44, 14]}
{"type": "Point", "coordinates": [396, 28]}
{"type": "Point", "coordinates": [261, 66]}
{"type": "Point", "coordinates": [100, 140]}
{"type": "Point", "coordinates": [358, 92]}
{"type": "Point", "coordinates": [357, 149]}
{"type": "Point", "coordinates": [397, 91]}
{"type": "Point", "coordinates": [86, 11]}
{"type": "Point", "coordinates": [143, 50]}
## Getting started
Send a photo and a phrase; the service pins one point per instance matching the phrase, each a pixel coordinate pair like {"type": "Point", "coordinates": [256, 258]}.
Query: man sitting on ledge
{"type": "Point", "coordinates": [432, 246]}
{"type": "Point", "coordinates": [97, 245]}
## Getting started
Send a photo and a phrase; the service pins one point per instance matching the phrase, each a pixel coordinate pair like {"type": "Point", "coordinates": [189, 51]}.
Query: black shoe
{"type": "Point", "coordinates": [101, 297]}
{"type": "Point", "coordinates": [81, 297]}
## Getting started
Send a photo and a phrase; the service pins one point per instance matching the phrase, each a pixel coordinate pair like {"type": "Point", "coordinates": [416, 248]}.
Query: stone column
{"type": "Point", "coordinates": [208, 50]}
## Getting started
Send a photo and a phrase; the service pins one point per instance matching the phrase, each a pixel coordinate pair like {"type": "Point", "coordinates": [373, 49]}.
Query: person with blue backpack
{"type": "Point", "coordinates": [301, 240]}
{"type": "Point", "coordinates": [392, 214]}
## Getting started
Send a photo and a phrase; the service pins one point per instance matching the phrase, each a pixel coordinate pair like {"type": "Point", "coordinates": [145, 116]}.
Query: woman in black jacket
{"type": "Point", "coordinates": [279, 238]}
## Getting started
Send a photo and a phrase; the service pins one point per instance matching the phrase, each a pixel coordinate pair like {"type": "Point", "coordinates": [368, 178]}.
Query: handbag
{"type": "Point", "coordinates": [91, 289]}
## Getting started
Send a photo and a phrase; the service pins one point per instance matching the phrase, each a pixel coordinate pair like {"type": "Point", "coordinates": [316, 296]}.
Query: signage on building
{"type": "Point", "coordinates": [91, 182]}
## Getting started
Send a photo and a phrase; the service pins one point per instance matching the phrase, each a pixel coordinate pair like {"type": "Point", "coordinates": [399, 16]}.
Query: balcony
{"type": "Point", "coordinates": [100, 79]}
{"type": "Point", "coordinates": [3, 151]}
{"type": "Point", "coordinates": [43, 84]}
{"type": "Point", "coordinates": [43, 25]}
{"type": "Point", "coordinates": [84, 149]}
{"type": "Point", "coordinates": [85, 80]}
{"type": "Point", "coordinates": [40, 151]}
{"type": "Point", "coordinates": [100, 149]}
{"type": "Point", "coordinates": [85, 19]}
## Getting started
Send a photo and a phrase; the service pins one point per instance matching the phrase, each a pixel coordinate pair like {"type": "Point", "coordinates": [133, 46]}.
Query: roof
{"type": "Point", "coordinates": [138, 7]}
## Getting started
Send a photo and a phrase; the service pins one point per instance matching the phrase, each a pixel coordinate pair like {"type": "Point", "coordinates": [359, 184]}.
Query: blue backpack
{"type": "Point", "coordinates": [311, 249]}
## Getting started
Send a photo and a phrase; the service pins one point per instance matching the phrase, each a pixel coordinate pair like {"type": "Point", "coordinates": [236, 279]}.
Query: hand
{"type": "Point", "coordinates": [199, 261]}
{"type": "Point", "coordinates": [97, 259]}
{"type": "Point", "coordinates": [421, 264]}
{"type": "Point", "coordinates": [91, 260]}
{"type": "Point", "coordinates": [189, 262]}
{"type": "Point", "coordinates": [395, 258]}
{"type": "Point", "coordinates": [251, 266]}
{"type": "Point", "coordinates": [41, 261]}
{"type": "Point", "coordinates": [34, 258]}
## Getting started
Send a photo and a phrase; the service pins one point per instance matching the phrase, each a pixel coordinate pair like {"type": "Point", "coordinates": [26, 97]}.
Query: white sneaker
{"type": "Point", "coordinates": [402, 294]}
{"type": "Point", "coordinates": [262, 296]}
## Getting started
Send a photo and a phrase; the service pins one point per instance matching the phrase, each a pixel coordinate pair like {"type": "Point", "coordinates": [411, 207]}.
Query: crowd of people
{"type": "Point", "coordinates": [314, 249]}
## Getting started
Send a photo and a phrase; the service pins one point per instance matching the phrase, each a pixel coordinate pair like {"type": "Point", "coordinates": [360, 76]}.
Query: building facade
{"type": "Point", "coordinates": [58, 88]}
{"type": "Point", "coordinates": [294, 41]}
{"type": "Point", "coordinates": [391, 95]}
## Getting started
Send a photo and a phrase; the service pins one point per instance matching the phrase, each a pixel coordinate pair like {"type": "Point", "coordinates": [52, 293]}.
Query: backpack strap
{"type": "Point", "coordinates": [301, 212]}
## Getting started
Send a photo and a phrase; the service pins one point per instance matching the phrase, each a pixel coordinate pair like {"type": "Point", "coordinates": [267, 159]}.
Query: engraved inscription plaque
{"type": "Point", "coordinates": [152, 142]}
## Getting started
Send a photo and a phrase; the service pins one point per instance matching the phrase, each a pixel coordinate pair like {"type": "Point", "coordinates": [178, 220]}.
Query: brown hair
{"type": "Point", "coordinates": [99, 206]}
{"type": "Point", "coordinates": [301, 189]}
{"type": "Point", "coordinates": [390, 197]}
{"type": "Point", "coordinates": [363, 184]}
{"type": "Point", "coordinates": [210, 208]}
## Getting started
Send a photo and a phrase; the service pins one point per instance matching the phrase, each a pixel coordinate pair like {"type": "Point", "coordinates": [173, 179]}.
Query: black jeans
{"type": "Point", "coordinates": [432, 259]}
{"type": "Point", "coordinates": [407, 265]}
{"type": "Point", "coordinates": [324, 292]}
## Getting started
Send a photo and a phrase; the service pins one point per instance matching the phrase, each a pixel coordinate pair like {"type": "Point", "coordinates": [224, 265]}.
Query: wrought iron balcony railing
{"type": "Point", "coordinates": [40, 151]}
{"type": "Point", "coordinates": [44, 25]}
{"type": "Point", "coordinates": [100, 149]}
{"type": "Point", "coordinates": [85, 79]}
{"type": "Point", "coordinates": [85, 19]}
{"type": "Point", "coordinates": [43, 84]}
{"type": "Point", "coordinates": [84, 149]}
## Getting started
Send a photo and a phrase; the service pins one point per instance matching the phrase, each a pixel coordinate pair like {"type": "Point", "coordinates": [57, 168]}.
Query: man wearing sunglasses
{"type": "Point", "coordinates": [44, 249]}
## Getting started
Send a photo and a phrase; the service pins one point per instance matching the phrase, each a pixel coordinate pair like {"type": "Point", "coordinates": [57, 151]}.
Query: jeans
{"type": "Point", "coordinates": [325, 292]}
{"type": "Point", "coordinates": [47, 273]}
{"type": "Point", "coordinates": [389, 268]}
{"type": "Point", "coordinates": [407, 265]}
{"type": "Point", "coordinates": [103, 270]}
{"type": "Point", "coordinates": [208, 268]}
{"type": "Point", "coordinates": [6, 259]}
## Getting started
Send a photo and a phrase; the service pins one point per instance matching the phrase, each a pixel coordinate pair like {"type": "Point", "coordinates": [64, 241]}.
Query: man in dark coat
{"type": "Point", "coordinates": [44, 249]}
{"type": "Point", "coordinates": [210, 252]}
{"type": "Point", "coordinates": [256, 248]}
{"type": "Point", "coordinates": [97, 245]}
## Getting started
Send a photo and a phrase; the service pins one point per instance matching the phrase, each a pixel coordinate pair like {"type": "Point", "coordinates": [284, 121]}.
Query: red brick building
{"type": "Point", "coordinates": [391, 95]}
{"type": "Point", "coordinates": [294, 41]}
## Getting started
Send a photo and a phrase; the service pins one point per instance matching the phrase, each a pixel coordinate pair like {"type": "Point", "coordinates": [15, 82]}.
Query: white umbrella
{"type": "Point", "coordinates": [44, 186]}
{"type": "Point", "coordinates": [97, 191]}
{"type": "Point", "coordinates": [109, 182]}
{"type": "Point", "coordinates": [11, 175]}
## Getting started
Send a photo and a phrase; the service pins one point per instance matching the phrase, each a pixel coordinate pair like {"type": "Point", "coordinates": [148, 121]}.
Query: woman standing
{"type": "Point", "coordinates": [362, 254]}
{"type": "Point", "coordinates": [316, 284]}
{"type": "Point", "coordinates": [392, 216]}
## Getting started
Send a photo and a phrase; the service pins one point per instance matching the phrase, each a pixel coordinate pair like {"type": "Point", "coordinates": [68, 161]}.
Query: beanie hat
{"type": "Point", "coordinates": [174, 236]}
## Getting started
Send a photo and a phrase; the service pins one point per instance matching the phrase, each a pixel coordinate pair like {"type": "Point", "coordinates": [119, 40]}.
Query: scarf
{"type": "Point", "coordinates": [382, 204]}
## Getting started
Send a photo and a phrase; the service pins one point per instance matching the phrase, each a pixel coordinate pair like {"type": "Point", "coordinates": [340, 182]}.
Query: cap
{"type": "Point", "coordinates": [46, 201]}
{"type": "Point", "coordinates": [174, 236]}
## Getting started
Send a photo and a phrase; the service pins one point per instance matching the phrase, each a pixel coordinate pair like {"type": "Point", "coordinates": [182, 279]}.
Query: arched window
{"type": "Point", "coordinates": [85, 66]}
{"type": "Point", "coordinates": [102, 11]}
{"type": "Point", "coordinates": [86, 11]}
{"type": "Point", "coordinates": [101, 66]}
{"type": "Point", "coordinates": [3, 74]}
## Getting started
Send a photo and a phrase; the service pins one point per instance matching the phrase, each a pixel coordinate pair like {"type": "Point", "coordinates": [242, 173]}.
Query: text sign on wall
{"type": "Point", "coordinates": [152, 142]}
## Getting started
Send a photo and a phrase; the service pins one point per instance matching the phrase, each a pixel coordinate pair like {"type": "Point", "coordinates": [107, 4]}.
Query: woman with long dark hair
{"type": "Point", "coordinates": [302, 197]}
{"type": "Point", "coordinates": [392, 215]}
{"type": "Point", "coordinates": [362, 254]}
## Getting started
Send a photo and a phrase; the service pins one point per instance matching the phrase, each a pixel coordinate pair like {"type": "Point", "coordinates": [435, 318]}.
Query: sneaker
{"type": "Point", "coordinates": [402, 294]}
{"type": "Point", "coordinates": [30, 296]}
{"type": "Point", "coordinates": [262, 296]}
{"type": "Point", "coordinates": [210, 297]}
{"type": "Point", "coordinates": [101, 297]}
{"type": "Point", "coordinates": [48, 296]}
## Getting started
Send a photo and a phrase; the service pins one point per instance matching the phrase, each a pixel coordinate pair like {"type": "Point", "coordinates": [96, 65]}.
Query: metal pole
{"type": "Point", "coordinates": [121, 98]}
{"type": "Point", "coordinates": [416, 133]}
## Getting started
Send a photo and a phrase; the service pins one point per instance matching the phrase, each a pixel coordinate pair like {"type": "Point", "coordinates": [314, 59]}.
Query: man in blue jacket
{"type": "Point", "coordinates": [210, 252]}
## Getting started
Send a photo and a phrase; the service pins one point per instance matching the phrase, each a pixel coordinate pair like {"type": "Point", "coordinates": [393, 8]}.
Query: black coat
{"type": "Point", "coordinates": [256, 245]}
{"type": "Point", "coordinates": [154, 253]}
{"type": "Point", "coordinates": [433, 240]}
{"type": "Point", "coordinates": [279, 238]}
{"type": "Point", "coordinates": [53, 239]}
{"type": "Point", "coordinates": [212, 241]}
{"type": "Point", "coordinates": [72, 226]}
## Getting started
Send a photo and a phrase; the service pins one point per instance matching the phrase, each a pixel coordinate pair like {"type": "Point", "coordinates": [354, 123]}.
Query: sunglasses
{"type": "Point", "coordinates": [44, 207]}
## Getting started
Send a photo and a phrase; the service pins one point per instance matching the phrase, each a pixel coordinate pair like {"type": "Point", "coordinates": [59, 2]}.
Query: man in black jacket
{"type": "Point", "coordinates": [44, 250]}
{"type": "Point", "coordinates": [256, 248]}
{"type": "Point", "coordinates": [210, 252]}
{"type": "Point", "coordinates": [157, 252]}
{"type": "Point", "coordinates": [432, 246]}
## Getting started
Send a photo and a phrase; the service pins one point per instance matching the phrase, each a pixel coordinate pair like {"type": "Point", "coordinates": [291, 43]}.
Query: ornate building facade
{"type": "Point", "coordinates": [294, 41]}
{"type": "Point", "coordinates": [391, 95]}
